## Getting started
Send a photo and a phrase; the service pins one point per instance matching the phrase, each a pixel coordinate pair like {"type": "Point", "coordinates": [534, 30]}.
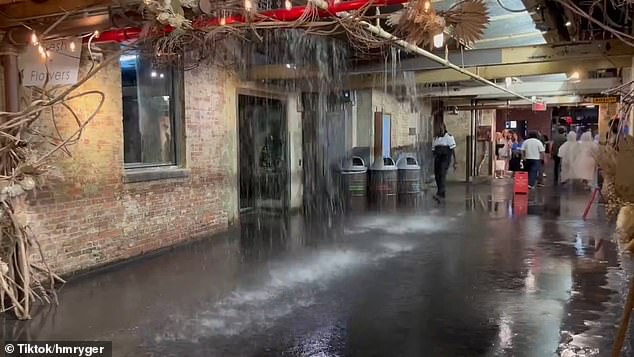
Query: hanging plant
{"type": "Point", "coordinates": [171, 12]}
{"type": "Point", "coordinates": [418, 22]}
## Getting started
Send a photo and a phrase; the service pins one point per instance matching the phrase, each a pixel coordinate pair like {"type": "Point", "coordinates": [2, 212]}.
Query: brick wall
{"type": "Point", "coordinates": [534, 120]}
{"type": "Point", "coordinates": [459, 125]}
{"type": "Point", "coordinates": [92, 217]}
{"type": "Point", "coordinates": [402, 117]}
{"type": "Point", "coordinates": [370, 101]}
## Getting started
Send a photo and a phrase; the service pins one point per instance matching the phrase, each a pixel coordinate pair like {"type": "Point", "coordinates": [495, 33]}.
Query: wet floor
{"type": "Point", "coordinates": [482, 275]}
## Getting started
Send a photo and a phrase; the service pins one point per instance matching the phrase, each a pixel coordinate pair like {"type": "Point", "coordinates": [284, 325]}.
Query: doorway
{"type": "Point", "coordinates": [263, 153]}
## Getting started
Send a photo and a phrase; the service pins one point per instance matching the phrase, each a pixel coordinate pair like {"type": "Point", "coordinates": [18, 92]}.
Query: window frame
{"type": "Point", "coordinates": [177, 118]}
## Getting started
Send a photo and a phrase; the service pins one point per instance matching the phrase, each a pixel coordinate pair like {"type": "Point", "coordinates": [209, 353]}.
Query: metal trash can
{"type": "Point", "coordinates": [408, 179]}
{"type": "Point", "coordinates": [383, 183]}
{"type": "Point", "coordinates": [354, 178]}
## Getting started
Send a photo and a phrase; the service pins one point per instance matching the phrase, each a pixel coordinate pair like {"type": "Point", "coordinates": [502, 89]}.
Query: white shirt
{"type": "Point", "coordinates": [533, 148]}
{"type": "Point", "coordinates": [446, 140]}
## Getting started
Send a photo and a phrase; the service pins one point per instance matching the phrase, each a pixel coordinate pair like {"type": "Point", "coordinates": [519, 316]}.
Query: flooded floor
{"type": "Point", "coordinates": [481, 275]}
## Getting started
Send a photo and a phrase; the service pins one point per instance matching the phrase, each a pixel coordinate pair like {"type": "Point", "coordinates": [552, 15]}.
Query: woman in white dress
{"type": "Point", "coordinates": [568, 155]}
{"type": "Point", "coordinates": [503, 154]}
{"type": "Point", "coordinates": [586, 163]}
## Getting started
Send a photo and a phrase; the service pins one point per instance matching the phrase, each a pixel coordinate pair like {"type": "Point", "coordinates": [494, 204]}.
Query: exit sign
{"type": "Point", "coordinates": [539, 107]}
{"type": "Point", "coordinates": [604, 100]}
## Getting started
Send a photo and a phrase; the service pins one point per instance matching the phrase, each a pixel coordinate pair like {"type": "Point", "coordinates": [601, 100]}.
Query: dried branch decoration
{"type": "Point", "coordinates": [418, 22]}
{"type": "Point", "coordinates": [616, 160]}
{"type": "Point", "coordinates": [26, 163]}
{"type": "Point", "coordinates": [171, 12]}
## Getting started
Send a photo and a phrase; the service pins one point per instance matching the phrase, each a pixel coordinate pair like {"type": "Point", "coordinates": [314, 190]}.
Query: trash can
{"type": "Point", "coordinates": [408, 179]}
{"type": "Point", "coordinates": [383, 183]}
{"type": "Point", "coordinates": [354, 178]}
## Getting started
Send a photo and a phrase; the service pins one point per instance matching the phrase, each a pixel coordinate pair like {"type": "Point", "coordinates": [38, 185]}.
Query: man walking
{"type": "Point", "coordinates": [443, 146]}
{"type": "Point", "coordinates": [558, 141]}
{"type": "Point", "coordinates": [533, 150]}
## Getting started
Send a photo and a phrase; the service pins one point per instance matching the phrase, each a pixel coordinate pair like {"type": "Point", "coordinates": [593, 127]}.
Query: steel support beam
{"type": "Point", "coordinates": [539, 89]}
{"type": "Point", "coordinates": [512, 55]}
{"type": "Point", "coordinates": [500, 71]}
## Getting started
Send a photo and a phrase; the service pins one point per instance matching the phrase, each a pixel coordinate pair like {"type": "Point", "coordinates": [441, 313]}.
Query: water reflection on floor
{"type": "Point", "coordinates": [486, 274]}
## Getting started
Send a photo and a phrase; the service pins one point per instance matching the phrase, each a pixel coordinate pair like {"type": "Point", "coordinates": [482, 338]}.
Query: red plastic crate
{"type": "Point", "coordinates": [520, 205]}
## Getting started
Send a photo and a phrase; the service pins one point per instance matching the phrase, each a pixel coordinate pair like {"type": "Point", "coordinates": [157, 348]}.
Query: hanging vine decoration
{"type": "Point", "coordinates": [616, 160]}
{"type": "Point", "coordinates": [419, 22]}
{"type": "Point", "coordinates": [27, 156]}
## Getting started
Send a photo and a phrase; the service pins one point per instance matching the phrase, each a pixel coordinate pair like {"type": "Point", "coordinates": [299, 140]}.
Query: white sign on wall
{"type": "Point", "coordinates": [62, 60]}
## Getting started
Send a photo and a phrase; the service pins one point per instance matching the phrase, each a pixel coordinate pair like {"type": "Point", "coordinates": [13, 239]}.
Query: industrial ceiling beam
{"type": "Point", "coordinates": [29, 9]}
{"type": "Point", "coordinates": [499, 71]}
{"type": "Point", "coordinates": [511, 55]}
{"type": "Point", "coordinates": [538, 89]}
{"type": "Point", "coordinates": [379, 32]}
{"type": "Point", "coordinates": [526, 69]}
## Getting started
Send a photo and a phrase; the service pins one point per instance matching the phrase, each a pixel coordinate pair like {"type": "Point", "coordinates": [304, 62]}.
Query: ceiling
{"type": "Point", "coordinates": [506, 29]}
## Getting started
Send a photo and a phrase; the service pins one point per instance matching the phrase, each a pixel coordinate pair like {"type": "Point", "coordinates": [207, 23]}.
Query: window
{"type": "Point", "coordinates": [151, 112]}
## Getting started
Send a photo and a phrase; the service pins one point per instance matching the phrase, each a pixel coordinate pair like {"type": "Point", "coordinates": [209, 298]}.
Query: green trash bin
{"type": "Point", "coordinates": [354, 177]}
{"type": "Point", "coordinates": [409, 187]}
{"type": "Point", "coordinates": [383, 183]}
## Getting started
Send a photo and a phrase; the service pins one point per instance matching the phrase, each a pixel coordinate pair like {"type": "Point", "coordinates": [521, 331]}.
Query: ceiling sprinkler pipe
{"type": "Point", "coordinates": [292, 14]}
{"type": "Point", "coordinates": [415, 49]}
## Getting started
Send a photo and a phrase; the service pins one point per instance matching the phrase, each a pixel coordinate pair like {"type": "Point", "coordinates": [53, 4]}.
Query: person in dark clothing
{"type": "Point", "coordinates": [559, 139]}
{"type": "Point", "coordinates": [515, 164]}
{"type": "Point", "coordinates": [443, 147]}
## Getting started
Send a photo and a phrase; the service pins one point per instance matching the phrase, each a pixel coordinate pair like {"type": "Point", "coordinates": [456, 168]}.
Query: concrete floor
{"type": "Point", "coordinates": [482, 275]}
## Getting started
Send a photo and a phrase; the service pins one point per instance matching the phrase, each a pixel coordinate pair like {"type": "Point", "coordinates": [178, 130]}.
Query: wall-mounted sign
{"type": "Point", "coordinates": [604, 100]}
{"type": "Point", "coordinates": [62, 60]}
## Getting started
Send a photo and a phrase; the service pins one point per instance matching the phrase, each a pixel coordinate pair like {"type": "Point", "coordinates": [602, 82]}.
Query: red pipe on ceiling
{"type": "Point", "coordinates": [292, 14]}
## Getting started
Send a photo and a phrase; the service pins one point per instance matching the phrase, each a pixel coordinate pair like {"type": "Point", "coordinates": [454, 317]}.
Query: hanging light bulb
{"type": "Point", "coordinates": [248, 5]}
{"type": "Point", "coordinates": [288, 4]}
{"type": "Point", "coordinates": [97, 33]}
{"type": "Point", "coordinates": [427, 5]}
{"type": "Point", "coordinates": [41, 50]}
{"type": "Point", "coordinates": [223, 21]}
{"type": "Point", "coordinates": [34, 40]}
{"type": "Point", "coordinates": [439, 40]}
{"type": "Point", "coordinates": [71, 46]}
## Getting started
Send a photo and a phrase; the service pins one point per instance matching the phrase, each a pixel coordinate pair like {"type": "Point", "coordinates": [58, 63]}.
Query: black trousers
{"type": "Point", "coordinates": [557, 173]}
{"type": "Point", "coordinates": [442, 159]}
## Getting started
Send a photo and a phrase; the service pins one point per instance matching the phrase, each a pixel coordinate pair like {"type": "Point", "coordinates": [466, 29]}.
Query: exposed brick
{"type": "Point", "coordinates": [92, 217]}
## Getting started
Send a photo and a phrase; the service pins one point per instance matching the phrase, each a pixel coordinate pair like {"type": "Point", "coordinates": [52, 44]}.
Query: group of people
{"type": "Point", "coordinates": [573, 159]}
{"type": "Point", "coordinates": [576, 159]}
{"type": "Point", "coordinates": [508, 146]}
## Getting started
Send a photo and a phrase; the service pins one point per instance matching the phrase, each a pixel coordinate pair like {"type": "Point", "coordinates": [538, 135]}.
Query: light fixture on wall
{"type": "Point", "coordinates": [439, 40]}
{"type": "Point", "coordinates": [71, 46]}
{"type": "Point", "coordinates": [153, 74]}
